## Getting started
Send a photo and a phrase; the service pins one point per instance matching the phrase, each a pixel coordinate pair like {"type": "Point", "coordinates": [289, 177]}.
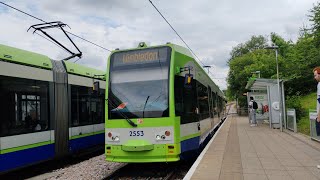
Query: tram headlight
{"type": "Point", "coordinates": [163, 137]}
{"type": "Point", "coordinates": [113, 137]}
{"type": "Point", "coordinates": [158, 137]}
{"type": "Point", "coordinates": [116, 138]}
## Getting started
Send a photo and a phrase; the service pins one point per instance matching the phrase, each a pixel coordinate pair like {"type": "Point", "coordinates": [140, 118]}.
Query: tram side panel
{"type": "Point", "coordinates": [26, 136]}
{"type": "Point", "coordinates": [35, 118]}
{"type": "Point", "coordinates": [195, 103]}
{"type": "Point", "coordinates": [87, 113]}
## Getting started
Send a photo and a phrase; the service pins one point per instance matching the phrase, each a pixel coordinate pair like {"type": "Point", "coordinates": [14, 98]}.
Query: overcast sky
{"type": "Point", "coordinates": [210, 27]}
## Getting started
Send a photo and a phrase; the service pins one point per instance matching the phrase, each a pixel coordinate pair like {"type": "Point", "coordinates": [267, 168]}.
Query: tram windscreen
{"type": "Point", "coordinates": [138, 83]}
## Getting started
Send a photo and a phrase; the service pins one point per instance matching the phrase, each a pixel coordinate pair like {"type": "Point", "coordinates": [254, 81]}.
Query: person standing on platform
{"type": "Point", "coordinates": [316, 73]}
{"type": "Point", "coordinates": [253, 107]}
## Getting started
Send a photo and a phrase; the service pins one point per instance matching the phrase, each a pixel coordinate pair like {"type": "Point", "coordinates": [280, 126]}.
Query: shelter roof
{"type": "Point", "coordinates": [260, 83]}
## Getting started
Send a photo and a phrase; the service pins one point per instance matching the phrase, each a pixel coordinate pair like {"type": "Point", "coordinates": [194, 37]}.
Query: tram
{"type": "Point", "coordinates": [48, 108]}
{"type": "Point", "coordinates": [161, 105]}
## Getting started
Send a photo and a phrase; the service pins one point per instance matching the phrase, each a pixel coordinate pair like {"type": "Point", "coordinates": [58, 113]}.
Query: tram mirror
{"type": "Point", "coordinates": [96, 86]}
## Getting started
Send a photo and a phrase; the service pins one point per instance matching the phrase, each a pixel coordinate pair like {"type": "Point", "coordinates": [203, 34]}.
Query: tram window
{"type": "Point", "coordinates": [97, 108]}
{"type": "Point", "coordinates": [178, 95]}
{"type": "Point", "coordinates": [214, 106]}
{"type": "Point", "coordinates": [24, 106]}
{"type": "Point", "coordinates": [185, 103]}
{"type": "Point", "coordinates": [80, 105]}
{"type": "Point", "coordinates": [86, 107]}
{"type": "Point", "coordinates": [218, 106]}
{"type": "Point", "coordinates": [209, 101]}
{"type": "Point", "coordinates": [203, 100]}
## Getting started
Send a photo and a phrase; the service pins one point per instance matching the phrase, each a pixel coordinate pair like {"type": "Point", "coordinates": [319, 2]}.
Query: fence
{"type": "Point", "coordinates": [291, 120]}
{"type": "Point", "coordinates": [313, 129]}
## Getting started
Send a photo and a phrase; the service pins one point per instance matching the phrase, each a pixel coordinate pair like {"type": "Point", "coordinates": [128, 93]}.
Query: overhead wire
{"type": "Point", "coordinates": [179, 36]}
{"type": "Point", "coordinates": [47, 22]}
{"type": "Point", "coordinates": [50, 41]}
{"type": "Point", "coordinates": [102, 46]}
{"type": "Point", "coordinates": [176, 32]}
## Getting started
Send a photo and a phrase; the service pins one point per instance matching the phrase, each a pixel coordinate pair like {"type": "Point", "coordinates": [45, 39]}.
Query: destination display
{"type": "Point", "coordinates": [136, 57]}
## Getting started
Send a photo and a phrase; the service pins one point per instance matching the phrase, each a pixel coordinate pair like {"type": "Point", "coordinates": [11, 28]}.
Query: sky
{"type": "Point", "coordinates": [211, 28]}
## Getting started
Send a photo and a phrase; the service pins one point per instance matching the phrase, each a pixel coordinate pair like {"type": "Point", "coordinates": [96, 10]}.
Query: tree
{"type": "Point", "coordinates": [256, 42]}
{"type": "Point", "coordinates": [314, 17]}
{"type": "Point", "coordinates": [241, 65]}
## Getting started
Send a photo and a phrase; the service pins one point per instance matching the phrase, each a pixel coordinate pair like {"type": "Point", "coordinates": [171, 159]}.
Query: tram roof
{"type": "Point", "coordinates": [20, 56]}
{"type": "Point", "coordinates": [78, 69]}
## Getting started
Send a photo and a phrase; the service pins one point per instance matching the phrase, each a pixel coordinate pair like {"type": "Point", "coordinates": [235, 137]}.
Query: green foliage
{"type": "Point", "coordinates": [303, 126]}
{"type": "Point", "coordinates": [294, 102]}
{"type": "Point", "coordinates": [307, 102]}
{"type": "Point", "coordinates": [296, 60]}
{"type": "Point", "coordinates": [242, 62]}
{"type": "Point", "coordinates": [285, 47]}
{"type": "Point", "coordinates": [256, 42]}
{"type": "Point", "coordinates": [314, 17]}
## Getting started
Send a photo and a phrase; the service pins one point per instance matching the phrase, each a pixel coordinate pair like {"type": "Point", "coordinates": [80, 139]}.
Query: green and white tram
{"type": "Point", "coordinates": [160, 104]}
{"type": "Point", "coordinates": [48, 108]}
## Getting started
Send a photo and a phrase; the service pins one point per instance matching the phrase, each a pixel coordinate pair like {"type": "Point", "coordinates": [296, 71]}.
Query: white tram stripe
{"type": "Point", "coordinates": [98, 127]}
{"type": "Point", "coordinates": [189, 129]}
{"type": "Point", "coordinates": [27, 72]}
{"type": "Point", "coordinates": [146, 133]}
{"type": "Point", "coordinates": [25, 139]}
{"type": "Point", "coordinates": [84, 81]}
{"type": "Point", "coordinates": [81, 130]}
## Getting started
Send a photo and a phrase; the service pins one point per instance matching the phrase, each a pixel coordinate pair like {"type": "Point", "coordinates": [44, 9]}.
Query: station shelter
{"type": "Point", "coordinates": [270, 98]}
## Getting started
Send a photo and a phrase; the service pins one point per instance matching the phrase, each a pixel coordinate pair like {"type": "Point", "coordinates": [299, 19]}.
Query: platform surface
{"type": "Point", "coordinates": [239, 151]}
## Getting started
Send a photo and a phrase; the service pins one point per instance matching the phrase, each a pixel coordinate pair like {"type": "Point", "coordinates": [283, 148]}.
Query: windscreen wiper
{"type": "Point", "coordinates": [145, 106]}
{"type": "Point", "coordinates": [131, 122]}
{"type": "Point", "coordinates": [122, 115]}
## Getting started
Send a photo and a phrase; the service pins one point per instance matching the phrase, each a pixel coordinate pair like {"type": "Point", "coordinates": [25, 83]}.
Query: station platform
{"type": "Point", "coordinates": [238, 151]}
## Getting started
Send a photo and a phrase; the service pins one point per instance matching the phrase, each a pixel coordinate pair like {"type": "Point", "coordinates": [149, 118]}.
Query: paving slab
{"type": "Point", "coordinates": [240, 151]}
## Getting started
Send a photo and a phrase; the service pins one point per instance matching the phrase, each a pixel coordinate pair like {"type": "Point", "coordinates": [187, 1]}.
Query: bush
{"type": "Point", "coordinates": [295, 103]}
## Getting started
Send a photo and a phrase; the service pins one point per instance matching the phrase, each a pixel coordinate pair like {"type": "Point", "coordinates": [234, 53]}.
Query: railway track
{"type": "Point", "coordinates": [51, 165]}
{"type": "Point", "coordinates": [152, 171]}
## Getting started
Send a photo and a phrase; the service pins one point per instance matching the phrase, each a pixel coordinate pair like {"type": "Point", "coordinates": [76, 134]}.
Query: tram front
{"type": "Point", "coordinates": [138, 126]}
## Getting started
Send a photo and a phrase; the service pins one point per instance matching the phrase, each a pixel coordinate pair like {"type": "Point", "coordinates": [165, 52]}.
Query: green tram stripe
{"type": "Point", "coordinates": [98, 132]}
{"type": "Point", "coordinates": [88, 134]}
{"type": "Point", "coordinates": [189, 136]}
{"type": "Point", "coordinates": [29, 146]}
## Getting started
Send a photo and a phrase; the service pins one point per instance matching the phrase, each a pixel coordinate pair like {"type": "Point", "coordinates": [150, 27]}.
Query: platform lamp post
{"type": "Point", "coordinates": [274, 47]}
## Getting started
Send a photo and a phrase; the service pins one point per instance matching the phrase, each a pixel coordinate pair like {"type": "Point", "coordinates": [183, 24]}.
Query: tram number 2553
{"type": "Point", "coordinates": [136, 133]}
